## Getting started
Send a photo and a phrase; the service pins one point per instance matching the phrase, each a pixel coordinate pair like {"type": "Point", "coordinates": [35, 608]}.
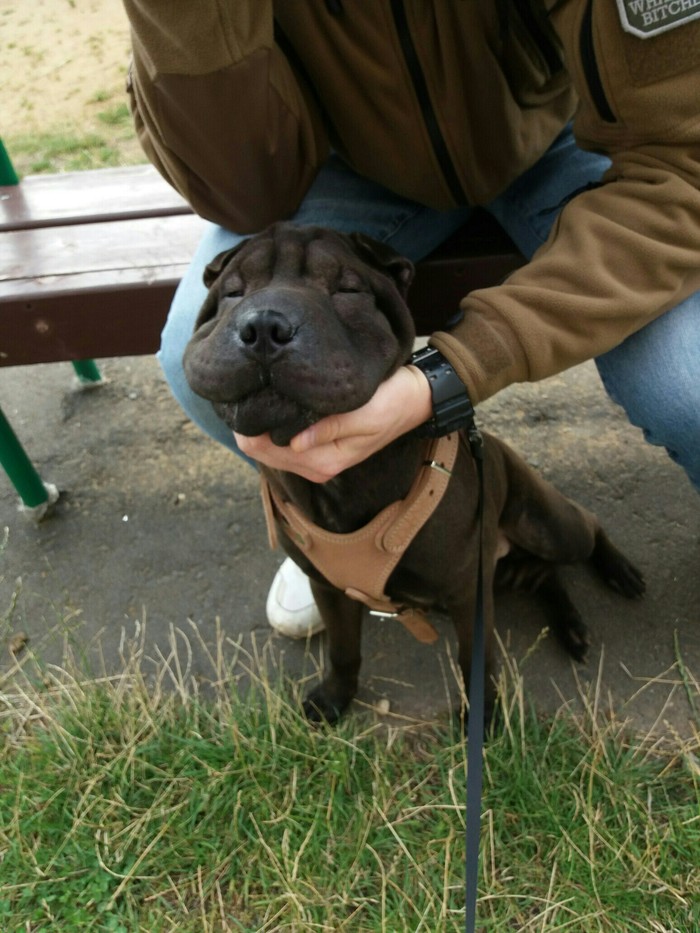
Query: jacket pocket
{"type": "Point", "coordinates": [591, 71]}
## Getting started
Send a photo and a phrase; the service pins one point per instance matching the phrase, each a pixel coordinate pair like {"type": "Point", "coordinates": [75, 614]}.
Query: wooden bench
{"type": "Point", "coordinates": [89, 263]}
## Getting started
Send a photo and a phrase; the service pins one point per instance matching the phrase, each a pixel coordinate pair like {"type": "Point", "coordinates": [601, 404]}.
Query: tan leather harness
{"type": "Point", "coordinates": [360, 563]}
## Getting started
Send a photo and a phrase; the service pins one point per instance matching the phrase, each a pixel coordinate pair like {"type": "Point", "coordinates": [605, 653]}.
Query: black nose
{"type": "Point", "coordinates": [263, 332]}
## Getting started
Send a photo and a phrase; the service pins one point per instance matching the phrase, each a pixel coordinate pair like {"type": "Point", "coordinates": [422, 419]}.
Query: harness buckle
{"type": "Point", "coordinates": [380, 614]}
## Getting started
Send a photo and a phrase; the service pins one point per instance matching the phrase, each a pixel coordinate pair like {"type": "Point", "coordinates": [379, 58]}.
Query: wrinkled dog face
{"type": "Point", "coordinates": [299, 323]}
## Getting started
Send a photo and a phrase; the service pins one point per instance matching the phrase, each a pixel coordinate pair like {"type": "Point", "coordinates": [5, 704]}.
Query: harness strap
{"type": "Point", "coordinates": [360, 563]}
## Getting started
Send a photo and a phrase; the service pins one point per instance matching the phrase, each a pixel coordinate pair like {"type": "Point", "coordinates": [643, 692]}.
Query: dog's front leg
{"type": "Point", "coordinates": [343, 623]}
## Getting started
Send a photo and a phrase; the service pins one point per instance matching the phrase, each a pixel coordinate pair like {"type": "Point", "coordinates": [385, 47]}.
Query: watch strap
{"type": "Point", "coordinates": [452, 407]}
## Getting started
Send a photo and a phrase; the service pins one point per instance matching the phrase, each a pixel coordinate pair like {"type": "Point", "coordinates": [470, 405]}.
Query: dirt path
{"type": "Point", "coordinates": [62, 62]}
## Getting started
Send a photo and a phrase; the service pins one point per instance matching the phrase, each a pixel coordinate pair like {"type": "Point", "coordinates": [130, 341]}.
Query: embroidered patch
{"type": "Point", "coordinates": [648, 18]}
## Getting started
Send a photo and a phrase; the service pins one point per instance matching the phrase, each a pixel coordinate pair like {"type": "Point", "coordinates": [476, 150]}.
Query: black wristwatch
{"type": "Point", "coordinates": [452, 407]}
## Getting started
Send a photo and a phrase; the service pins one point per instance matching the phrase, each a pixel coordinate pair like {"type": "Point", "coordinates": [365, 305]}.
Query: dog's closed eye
{"type": "Point", "coordinates": [233, 288]}
{"type": "Point", "coordinates": [350, 284]}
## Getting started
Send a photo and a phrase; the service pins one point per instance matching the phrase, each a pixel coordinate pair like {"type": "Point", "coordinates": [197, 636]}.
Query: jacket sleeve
{"type": "Point", "coordinates": [622, 253]}
{"type": "Point", "coordinates": [219, 110]}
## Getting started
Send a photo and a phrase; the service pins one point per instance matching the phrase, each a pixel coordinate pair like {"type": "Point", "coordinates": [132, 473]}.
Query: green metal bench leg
{"type": "Point", "coordinates": [8, 175]}
{"type": "Point", "coordinates": [87, 371]}
{"type": "Point", "coordinates": [36, 496]}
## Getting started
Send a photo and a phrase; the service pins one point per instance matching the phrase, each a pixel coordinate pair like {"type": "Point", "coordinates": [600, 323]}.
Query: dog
{"type": "Point", "coordinates": [304, 322]}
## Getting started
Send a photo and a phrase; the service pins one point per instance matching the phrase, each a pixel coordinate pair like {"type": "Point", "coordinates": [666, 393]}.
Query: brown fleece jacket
{"type": "Point", "coordinates": [446, 102]}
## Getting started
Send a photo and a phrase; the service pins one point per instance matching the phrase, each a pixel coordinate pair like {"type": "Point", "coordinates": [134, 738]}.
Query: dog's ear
{"type": "Point", "coordinates": [211, 274]}
{"type": "Point", "coordinates": [216, 266]}
{"type": "Point", "coordinates": [385, 259]}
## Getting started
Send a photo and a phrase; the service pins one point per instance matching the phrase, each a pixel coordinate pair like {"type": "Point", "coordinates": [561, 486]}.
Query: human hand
{"type": "Point", "coordinates": [337, 442]}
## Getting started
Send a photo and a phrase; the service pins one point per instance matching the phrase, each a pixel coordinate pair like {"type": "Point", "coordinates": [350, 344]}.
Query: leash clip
{"type": "Point", "coordinates": [476, 441]}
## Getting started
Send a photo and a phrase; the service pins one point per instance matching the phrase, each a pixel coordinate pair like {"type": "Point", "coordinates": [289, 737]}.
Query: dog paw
{"type": "Point", "coordinates": [627, 580]}
{"type": "Point", "coordinates": [318, 707]}
{"type": "Point", "coordinates": [616, 570]}
{"type": "Point", "coordinates": [573, 635]}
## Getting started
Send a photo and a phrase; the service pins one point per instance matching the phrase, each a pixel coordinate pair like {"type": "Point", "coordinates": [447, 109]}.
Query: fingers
{"type": "Point", "coordinates": [359, 424]}
{"type": "Point", "coordinates": [317, 464]}
{"type": "Point", "coordinates": [338, 442]}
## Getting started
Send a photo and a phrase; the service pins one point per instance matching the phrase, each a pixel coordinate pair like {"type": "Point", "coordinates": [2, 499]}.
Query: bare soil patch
{"type": "Point", "coordinates": [61, 60]}
{"type": "Point", "coordinates": [63, 68]}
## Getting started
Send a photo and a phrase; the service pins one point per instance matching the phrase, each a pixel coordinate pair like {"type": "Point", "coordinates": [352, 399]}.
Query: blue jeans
{"type": "Point", "coordinates": [654, 374]}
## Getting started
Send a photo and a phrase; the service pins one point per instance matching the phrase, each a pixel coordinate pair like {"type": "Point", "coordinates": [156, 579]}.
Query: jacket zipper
{"type": "Point", "coordinates": [590, 68]}
{"type": "Point", "coordinates": [420, 86]}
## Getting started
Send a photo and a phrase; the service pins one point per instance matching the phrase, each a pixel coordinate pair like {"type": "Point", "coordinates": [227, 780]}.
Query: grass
{"type": "Point", "coordinates": [105, 139]}
{"type": "Point", "coordinates": [61, 152]}
{"type": "Point", "coordinates": [134, 802]}
{"type": "Point", "coordinates": [117, 115]}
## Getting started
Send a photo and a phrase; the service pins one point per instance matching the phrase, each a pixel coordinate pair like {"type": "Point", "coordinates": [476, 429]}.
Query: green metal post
{"type": "Point", "coordinates": [87, 371]}
{"type": "Point", "coordinates": [16, 463]}
{"type": "Point", "coordinates": [8, 175]}
{"type": "Point", "coordinates": [19, 467]}
{"type": "Point", "coordinates": [34, 493]}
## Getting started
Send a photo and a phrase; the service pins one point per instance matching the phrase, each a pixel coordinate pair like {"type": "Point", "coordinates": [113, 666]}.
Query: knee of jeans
{"type": "Point", "coordinates": [652, 404]}
{"type": "Point", "coordinates": [662, 404]}
{"type": "Point", "coordinates": [170, 356]}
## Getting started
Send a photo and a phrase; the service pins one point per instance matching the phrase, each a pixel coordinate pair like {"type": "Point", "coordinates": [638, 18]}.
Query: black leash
{"type": "Point", "coordinates": [477, 692]}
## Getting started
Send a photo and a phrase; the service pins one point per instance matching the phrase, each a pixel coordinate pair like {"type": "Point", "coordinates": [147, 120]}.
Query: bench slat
{"type": "Point", "coordinates": [88, 197]}
{"type": "Point", "coordinates": [88, 324]}
{"type": "Point", "coordinates": [90, 291]}
{"type": "Point", "coordinates": [144, 243]}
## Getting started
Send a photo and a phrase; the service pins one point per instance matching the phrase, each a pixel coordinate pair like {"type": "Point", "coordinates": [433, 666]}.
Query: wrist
{"type": "Point", "coordinates": [421, 409]}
